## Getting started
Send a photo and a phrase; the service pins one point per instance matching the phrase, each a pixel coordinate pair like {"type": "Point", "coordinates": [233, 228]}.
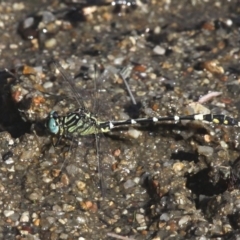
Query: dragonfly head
{"type": "Point", "coordinates": [52, 124]}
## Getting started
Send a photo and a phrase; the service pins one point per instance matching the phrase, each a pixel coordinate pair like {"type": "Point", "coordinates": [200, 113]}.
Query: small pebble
{"type": "Point", "coordinates": [68, 208]}
{"type": "Point", "coordinates": [128, 184]}
{"type": "Point", "coordinates": [36, 222]}
{"type": "Point", "coordinates": [9, 161]}
{"type": "Point", "coordinates": [164, 217]}
{"type": "Point", "coordinates": [63, 220]}
{"type": "Point", "coordinates": [24, 217]}
{"type": "Point", "coordinates": [63, 236]}
{"type": "Point", "coordinates": [8, 213]}
{"type": "Point", "coordinates": [140, 219]}
{"type": "Point", "coordinates": [34, 196]}
{"type": "Point", "coordinates": [213, 67]}
{"type": "Point", "coordinates": [159, 50]}
{"type": "Point", "coordinates": [205, 150]}
{"type": "Point", "coordinates": [18, 6]}
{"type": "Point", "coordinates": [47, 85]}
{"type": "Point", "coordinates": [136, 180]}
{"type": "Point", "coordinates": [134, 133]}
{"type": "Point", "coordinates": [51, 43]}
{"type": "Point", "coordinates": [81, 185]}
{"type": "Point", "coordinates": [13, 46]}
{"type": "Point", "coordinates": [177, 167]}
{"type": "Point", "coordinates": [11, 142]}
{"type": "Point", "coordinates": [184, 220]}
{"type": "Point", "coordinates": [117, 230]}
{"type": "Point", "coordinates": [65, 180]}
{"type": "Point", "coordinates": [125, 212]}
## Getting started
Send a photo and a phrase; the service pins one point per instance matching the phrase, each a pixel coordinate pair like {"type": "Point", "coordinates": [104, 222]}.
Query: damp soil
{"type": "Point", "coordinates": [159, 181]}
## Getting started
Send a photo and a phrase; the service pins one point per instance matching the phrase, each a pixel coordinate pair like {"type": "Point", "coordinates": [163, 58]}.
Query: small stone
{"type": "Point", "coordinates": [129, 183]}
{"type": "Point", "coordinates": [50, 43]}
{"type": "Point", "coordinates": [184, 220]}
{"type": "Point", "coordinates": [55, 172]}
{"type": "Point", "coordinates": [63, 220]}
{"type": "Point", "coordinates": [207, 138]}
{"type": "Point", "coordinates": [164, 217]}
{"type": "Point", "coordinates": [65, 180]}
{"type": "Point", "coordinates": [18, 6]}
{"type": "Point", "coordinates": [2, 188]}
{"type": "Point", "coordinates": [68, 208]}
{"type": "Point", "coordinates": [117, 153]}
{"type": "Point", "coordinates": [134, 133]}
{"type": "Point", "coordinates": [125, 212]}
{"type": "Point", "coordinates": [24, 217]}
{"type": "Point", "coordinates": [34, 196]}
{"type": "Point", "coordinates": [86, 205]}
{"type": "Point", "coordinates": [63, 236]}
{"type": "Point", "coordinates": [36, 222]}
{"type": "Point", "coordinates": [159, 50]}
{"type": "Point", "coordinates": [81, 185]}
{"type": "Point", "coordinates": [224, 145]}
{"type": "Point", "coordinates": [29, 70]}
{"type": "Point", "coordinates": [213, 67]}
{"type": "Point", "coordinates": [8, 213]}
{"type": "Point", "coordinates": [205, 150]}
{"type": "Point", "coordinates": [229, 22]}
{"type": "Point", "coordinates": [57, 208]}
{"type": "Point", "coordinates": [117, 230]}
{"type": "Point", "coordinates": [47, 85]}
{"type": "Point", "coordinates": [157, 30]}
{"type": "Point", "coordinates": [140, 219]}
{"type": "Point", "coordinates": [136, 180]}
{"type": "Point", "coordinates": [13, 46]}
{"type": "Point", "coordinates": [9, 161]}
{"type": "Point", "coordinates": [10, 142]}
{"type": "Point", "coordinates": [177, 167]}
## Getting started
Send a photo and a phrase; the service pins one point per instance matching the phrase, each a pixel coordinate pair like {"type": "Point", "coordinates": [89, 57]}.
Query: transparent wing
{"type": "Point", "coordinates": [68, 78]}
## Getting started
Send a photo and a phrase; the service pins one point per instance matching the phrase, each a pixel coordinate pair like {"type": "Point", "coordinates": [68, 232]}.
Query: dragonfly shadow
{"type": "Point", "coordinates": [10, 118]}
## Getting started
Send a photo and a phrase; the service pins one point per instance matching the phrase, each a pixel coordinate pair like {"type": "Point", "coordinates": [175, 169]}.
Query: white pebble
{"type": "Point", "coordinates": [24, 217]}
{"type": "Point", "coordinates": [229, 22]}
{"type": "Point", "coordinates": [134, 133]}
{"type": "Point", "coordinates": [47, 85]}
{"type": "Point", "coordinates": [184, 220]}
{"type": "Point", "coordinates": [224, 145]}
{"type": "Point", "coordinates": [9, 161]}
{"type": "Point", "coordinates": [140, 219]}
{"type": "Point", "coordinates": [11, 142]}
{"type": "Point", "coordinates": [159, 50]}
{"type": "Point", "coordinates": [136, 180]}
{"type": "Point", "coordinates": [8, 213]}
{"type": "Point", "coordinates": [13, 46]}
{"type": "Point", "coordinates": [117, 230]}
{"type": "Point", "coordinates": [125, 212]}
{"type": "Point", "coordinates": [119, 60]}
{"type": "Point", "coordinates": [164, 217]}
{"type": "Point", "coordinates": [18, 6]}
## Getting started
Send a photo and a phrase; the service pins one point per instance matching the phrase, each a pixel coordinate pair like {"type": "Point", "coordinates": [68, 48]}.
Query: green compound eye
{"type": "Point", "coordinates": [52, 123]}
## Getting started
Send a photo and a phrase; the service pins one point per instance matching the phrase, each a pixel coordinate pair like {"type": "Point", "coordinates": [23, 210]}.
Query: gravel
{"type": "Point", "coordinates": [164, 181]}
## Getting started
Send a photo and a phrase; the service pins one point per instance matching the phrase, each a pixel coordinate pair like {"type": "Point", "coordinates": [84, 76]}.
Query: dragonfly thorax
{"type": "Point", "coordinates": [80, 122]}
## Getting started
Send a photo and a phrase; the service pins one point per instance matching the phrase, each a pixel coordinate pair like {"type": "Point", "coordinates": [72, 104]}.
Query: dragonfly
{"type": "Point", "coordinates": [83, 122]}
